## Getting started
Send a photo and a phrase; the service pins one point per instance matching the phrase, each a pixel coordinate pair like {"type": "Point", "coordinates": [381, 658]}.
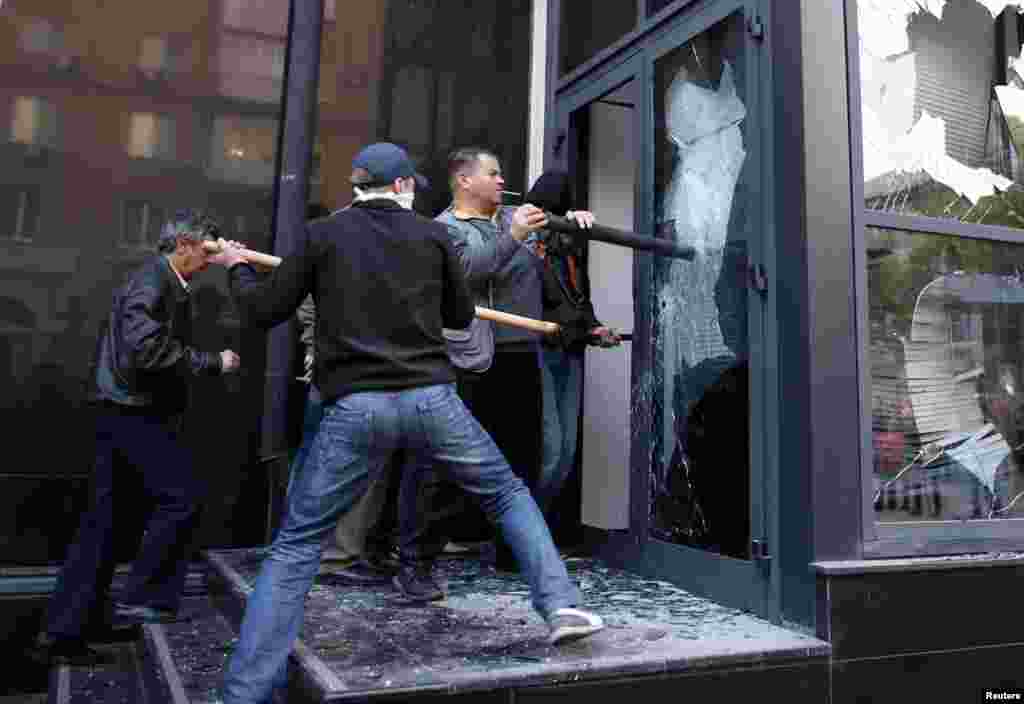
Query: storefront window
{"type": "Point", "coordinates": [109, 115]}
{"type": "Point", "coordinates": [942, 92]}
{"type": "Point", "coordinates": [946, 345]}
{"type": "Point", "coordinates": [586, 30]}
{"type": "Point", "coordinates": [427, 74]}
{"type": "Point", "coordinates": [656, 6]}
{"type": "Point", "coordinates": [700, 478]}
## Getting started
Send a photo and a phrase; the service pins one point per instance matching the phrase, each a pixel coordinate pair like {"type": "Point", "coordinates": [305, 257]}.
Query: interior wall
{"type": "Point", "coordinates": [606, 392]}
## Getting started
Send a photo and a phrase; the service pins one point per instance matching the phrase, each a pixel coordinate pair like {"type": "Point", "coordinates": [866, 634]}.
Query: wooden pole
{"type": "Point", "coordinates": [261, 258]}
{"type": "Point", "coordinates": [518, 321]}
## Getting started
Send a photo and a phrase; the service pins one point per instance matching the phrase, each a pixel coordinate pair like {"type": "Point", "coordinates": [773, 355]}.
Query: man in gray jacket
{"type": "Point", "coordinates": [503, 273]}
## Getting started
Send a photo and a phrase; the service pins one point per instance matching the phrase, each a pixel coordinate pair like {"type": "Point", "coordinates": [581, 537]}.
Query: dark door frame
{"type": "Point", "coordinates": [748, 584]}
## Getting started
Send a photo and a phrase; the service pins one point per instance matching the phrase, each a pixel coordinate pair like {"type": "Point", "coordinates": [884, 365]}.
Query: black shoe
{"type": "Point", "coordinates": [360, 573]}
{"type": "Point", "coordinates": [384, 563]}
{"type": "Point", "coordinates": [50, 652]}
{"type": "Point", "coordinates": [136, 613]}
{"type": "Point", "coordinates": [417, 585]}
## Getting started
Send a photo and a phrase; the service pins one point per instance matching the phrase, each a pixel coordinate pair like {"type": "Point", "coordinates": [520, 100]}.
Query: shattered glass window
{"type": "Point", "coordinates": [942, 91]}
{"type": "Point", "coordinates": [700, 469]}
{"type": "Point", "coordinates": [946, 336]}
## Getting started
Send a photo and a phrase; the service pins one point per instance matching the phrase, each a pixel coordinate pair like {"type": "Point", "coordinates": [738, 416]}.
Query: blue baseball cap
{"type": "Point", "coordinates": [381, 163]}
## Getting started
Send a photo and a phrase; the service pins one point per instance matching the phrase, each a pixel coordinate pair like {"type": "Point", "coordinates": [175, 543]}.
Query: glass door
{"type": "Point", "coordinates": [696, 448]}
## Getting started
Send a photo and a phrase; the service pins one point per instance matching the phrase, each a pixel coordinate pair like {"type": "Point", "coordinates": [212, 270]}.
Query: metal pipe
{"type": "Point", "coordinates": [623, 238]}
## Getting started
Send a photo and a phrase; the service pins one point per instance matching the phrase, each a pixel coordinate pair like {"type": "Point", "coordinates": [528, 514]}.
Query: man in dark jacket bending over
{"type": "Point", "coordinates": [140, 389]}
{"type": "Point", "coordinates": [385, 281]}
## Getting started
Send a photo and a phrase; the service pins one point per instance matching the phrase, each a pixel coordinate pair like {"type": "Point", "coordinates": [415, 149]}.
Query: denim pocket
{"type": "Point", "coordinates": [348, 425]}
{"type": "Point", "coordinates": [432, 398]}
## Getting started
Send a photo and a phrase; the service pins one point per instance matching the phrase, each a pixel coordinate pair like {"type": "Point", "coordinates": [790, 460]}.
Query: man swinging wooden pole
{"type": "Point", "coordinates": [271, 262]}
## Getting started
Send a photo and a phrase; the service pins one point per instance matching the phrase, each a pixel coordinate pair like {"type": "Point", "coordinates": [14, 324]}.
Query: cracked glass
{"type": "Point", "coordinates": [700, 469]}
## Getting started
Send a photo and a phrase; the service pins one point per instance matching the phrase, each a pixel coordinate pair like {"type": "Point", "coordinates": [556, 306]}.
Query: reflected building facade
{"type": "Point", "coordinates": [116, 114]}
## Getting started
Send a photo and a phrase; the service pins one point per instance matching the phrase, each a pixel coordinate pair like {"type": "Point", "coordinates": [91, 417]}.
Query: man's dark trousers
{"type": "Point", "coordinates": [143, 471]}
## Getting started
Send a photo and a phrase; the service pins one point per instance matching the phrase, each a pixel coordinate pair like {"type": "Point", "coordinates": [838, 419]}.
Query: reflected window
{"type": "Point", "coordinates": [946, 351]}
{"type": "Point", "coordinates": [942, 93]}
{"type": "Point", "coordinates": [151, 136]}
{"type": "Point", "coordinates": [431, 75]}
{"type": "Point", "coordinates": [19, 212]}
{"type": "Point", "coordinates": [700, 476]}
{"type": "Point", "coordinates": [243, 149]}
{"type": "Point", "coordinates": [141, 223]}
{"type": "Point", "coordinates": [34, 122]}
{"type": "Point", "coordinates": [585, 31]}
{"type": "Point", "coordinates": [259, 16]}
{"type": "Point", "coordinates": [410, 103]}
{"type": "Point", "coordinates": [160, 56]}
{"type": "Point", "coordinates": [96, 155]}
{"type": "Point", "coordinates": [251, 67]}
{"type": "Point", "coordinates": [40, 36]}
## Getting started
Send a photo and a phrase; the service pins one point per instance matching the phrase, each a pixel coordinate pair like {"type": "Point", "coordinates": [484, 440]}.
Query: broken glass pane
{"type": "Point", "coordinates": [942, 94]}
{"type": "Point", "coordinates": [700, 478]}
{"type": "Point", "coordinates": [946, 327]}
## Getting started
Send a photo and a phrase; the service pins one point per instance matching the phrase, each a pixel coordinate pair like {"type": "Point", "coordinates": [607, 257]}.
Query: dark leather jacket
{"type": "Point", "coordinates": [142, 358]}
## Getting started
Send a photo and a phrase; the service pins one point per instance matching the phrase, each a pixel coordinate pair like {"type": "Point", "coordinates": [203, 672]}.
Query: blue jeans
{"type": "Point", "coordinates": [311, 418]}
{"type": "Point", "coordinates": [359, 436]}
{"type": "Point", "coordinates": [562, 377]}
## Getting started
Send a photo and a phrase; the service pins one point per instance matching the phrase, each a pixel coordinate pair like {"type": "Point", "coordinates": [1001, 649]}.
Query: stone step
{"type": "Point", "coordinates": [24, 596]}
{"type": "Point", "coordinates": [188, 657]}
{"type": "Point", "coordinates": [117, 681]}
{"type": "Point", "coordinates": [484, 643]}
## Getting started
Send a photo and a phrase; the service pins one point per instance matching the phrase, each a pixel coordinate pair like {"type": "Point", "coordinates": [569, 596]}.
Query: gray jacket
{"type": "Point", "coordinates": [490, 257]}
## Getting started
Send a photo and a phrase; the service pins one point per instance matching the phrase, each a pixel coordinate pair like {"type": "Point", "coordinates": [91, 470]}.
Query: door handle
{"type": "Point", "coordinates": [758, 278]}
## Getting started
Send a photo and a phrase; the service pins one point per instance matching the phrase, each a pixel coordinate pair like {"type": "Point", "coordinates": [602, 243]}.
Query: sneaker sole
{"type": "Point", "coordinates": [572, 633]}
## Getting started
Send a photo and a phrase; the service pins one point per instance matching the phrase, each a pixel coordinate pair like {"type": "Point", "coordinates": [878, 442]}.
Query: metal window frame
{"type": "Point", "coordinates": [634, 55]}
{"type": "Point", "coordinates": [645, 25]}
{"type": "Point", "coordinates": [883, 540]}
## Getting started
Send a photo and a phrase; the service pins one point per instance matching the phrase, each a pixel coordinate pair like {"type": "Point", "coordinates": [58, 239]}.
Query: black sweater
{"type": "Point", "coordinates": [385, 280]}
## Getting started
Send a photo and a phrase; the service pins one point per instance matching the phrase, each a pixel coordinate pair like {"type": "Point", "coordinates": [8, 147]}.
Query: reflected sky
{"type": "Point", "coordinates": [926, 106]}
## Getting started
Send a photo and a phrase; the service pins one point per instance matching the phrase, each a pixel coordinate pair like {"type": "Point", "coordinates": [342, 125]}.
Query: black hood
{"type": "Point", "coordinates": [551, 192]}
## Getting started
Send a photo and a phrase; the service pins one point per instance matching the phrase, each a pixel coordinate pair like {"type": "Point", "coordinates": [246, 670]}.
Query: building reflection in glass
{"type": "Point", "coordinates": [946, 323]}
{"type": "Point", "coordinates": [112, 115]}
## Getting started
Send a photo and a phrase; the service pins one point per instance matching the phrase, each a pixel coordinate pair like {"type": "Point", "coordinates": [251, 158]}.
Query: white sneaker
{"type": "Point", "coordinates": [567, 625]}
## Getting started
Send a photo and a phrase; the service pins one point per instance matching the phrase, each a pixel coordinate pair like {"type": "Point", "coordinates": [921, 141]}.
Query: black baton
{"type": "Point", "coordinates": [623, 238]}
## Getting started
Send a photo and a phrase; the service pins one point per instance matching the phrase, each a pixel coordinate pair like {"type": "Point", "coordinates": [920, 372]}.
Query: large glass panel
{"type": "Point", "coordinates": [587, 29]}
{"type": "Point", "coordinates": [655, 6]}
{"type": "Point", "coordinates": [700, 472]}
{"type": "Point", "coordinates": [942, 91]}
{"type": "Point", "coordinates": [430, 75]}
{"type": "Point", "coordinates": [946, 342]}
{"type": "Point", "coordinates": [113, 115]}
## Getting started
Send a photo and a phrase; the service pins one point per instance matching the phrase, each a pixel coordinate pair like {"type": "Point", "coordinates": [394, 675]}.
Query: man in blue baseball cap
{"type": "Point", "coordinates": [385, 281]}
{"type": "Point", "coordinates": [380, 165]}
